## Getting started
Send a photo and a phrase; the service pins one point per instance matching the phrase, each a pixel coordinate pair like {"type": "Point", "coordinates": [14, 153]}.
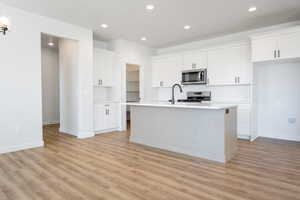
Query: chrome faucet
{"type": "Point", "coordinates": [173, 88]}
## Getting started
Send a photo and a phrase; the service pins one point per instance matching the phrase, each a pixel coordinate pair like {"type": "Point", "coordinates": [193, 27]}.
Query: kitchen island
{"type": "Point", "coordinates": [206, 131]}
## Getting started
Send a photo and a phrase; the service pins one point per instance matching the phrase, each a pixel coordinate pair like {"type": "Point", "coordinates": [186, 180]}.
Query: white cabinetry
{"type": "Point", "coordinates": [276, 46]}
{"type": "Point", "coordinates": [103, 67]}
{"type": "Point", "coordinates": [194, 60]}
{"type": "Point", "coordinates": [289, 45]}
{"type": "Point", "coordinates": [244, 121]}
{"type": "Point", "coordinates": [230, 65]}
{"type": "Point", "coordinates": [264, 49]}
{"type": "Point", "coordinates": [106, 117]}
{"type": "Point", "coordinates": [166, 70]}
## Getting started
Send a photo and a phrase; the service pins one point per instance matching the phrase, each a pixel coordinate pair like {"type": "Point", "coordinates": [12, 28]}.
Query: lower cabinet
{"type": "Point", "coordinates": [106, 117]}
{"type": "Point", "coordinates": [244, 121]}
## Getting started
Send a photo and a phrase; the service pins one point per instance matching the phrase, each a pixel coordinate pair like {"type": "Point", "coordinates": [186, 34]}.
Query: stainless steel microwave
{"type": "Point", "coordinates": [193, 77]}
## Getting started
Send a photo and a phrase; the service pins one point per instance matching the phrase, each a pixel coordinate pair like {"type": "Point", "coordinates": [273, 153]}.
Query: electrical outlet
{"type": "Point", "coordinates": [292, 120]}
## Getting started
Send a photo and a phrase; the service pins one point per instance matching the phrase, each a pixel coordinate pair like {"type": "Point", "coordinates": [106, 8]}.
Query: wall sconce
{"type": "Point", "coordinates": [4, 22]}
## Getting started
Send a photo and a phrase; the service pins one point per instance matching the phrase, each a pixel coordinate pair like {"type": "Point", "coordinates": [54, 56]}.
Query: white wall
{"type": "Point", "coordinates": [68, 66]}
{"type": "Point", "coordinates": [222, 94]}
{"type": "Point", "coordinates": [50, 85]}
{"type": "Point", "coordinates": [100, 44]}
{"type": "Point", "coordinates": [131, 53]}
{"type": "Point", "coordinates": [277, 98]}
{"type": "Point", "coordinates": [20, 78]}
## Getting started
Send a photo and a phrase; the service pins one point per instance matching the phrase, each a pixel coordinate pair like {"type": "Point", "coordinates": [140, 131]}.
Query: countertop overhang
{"type": "Point", "coordinates": [206, 106]}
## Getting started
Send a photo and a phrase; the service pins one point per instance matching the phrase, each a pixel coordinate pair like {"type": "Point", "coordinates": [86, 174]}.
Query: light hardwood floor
{"type": "Point", "coordinates": [109, 167]}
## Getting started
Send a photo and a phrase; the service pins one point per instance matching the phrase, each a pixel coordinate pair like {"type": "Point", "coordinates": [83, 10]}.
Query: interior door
{"type": "Point", "coordinates": [289, 45]}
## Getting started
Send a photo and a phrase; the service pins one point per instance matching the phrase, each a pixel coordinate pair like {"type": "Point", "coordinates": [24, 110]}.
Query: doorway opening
{"type": "Point", "coordinates": [59, 66]}
{"type": "Point", "coordinates": [50, 82]}
{"type": "Point", "coordinates": [132, 87]}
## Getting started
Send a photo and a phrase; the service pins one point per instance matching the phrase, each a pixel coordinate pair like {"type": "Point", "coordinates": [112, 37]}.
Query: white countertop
{"type": "Point", "coordinates": [105, 101]}
{"type": "Point", "coordinates": [210, 106]}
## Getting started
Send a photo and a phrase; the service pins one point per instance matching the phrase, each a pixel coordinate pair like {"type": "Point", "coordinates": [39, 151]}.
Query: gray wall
{"type": "Point", "coordinates": [50, 85]}
{"type": "Point", "coordinates": [277, 100]}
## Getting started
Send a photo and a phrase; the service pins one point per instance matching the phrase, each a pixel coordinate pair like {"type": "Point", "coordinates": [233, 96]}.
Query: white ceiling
{"type": "Point", "coordinates": [128, 19]}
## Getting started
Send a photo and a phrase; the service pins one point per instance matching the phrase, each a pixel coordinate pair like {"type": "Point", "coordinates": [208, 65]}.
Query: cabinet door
{"type": "Point", "coordinates": [100, 117]}
{"type": "Point", "coordinates": [264, 49]}
{"type": "Point", "coordinates": [103, 66]}
{"type": "Point", "coordinates": [244, 121]}
{"type": "Point", "coordinates": [243, 65]}
{"type": "Point", "coordinates": [289, 45]}
{"type": "Point", "coordinates": [194, 60]}
{"type": "Point", "coordinates": [221, 67]}
{"type": "Point", "coordinates": [156, 75]}
{"type": "Point", "coordinates": [112, 116]}
{"type": "Point", "coordinates": [225, 65]}
{"type": "Point", "coordinates": [166, 71]}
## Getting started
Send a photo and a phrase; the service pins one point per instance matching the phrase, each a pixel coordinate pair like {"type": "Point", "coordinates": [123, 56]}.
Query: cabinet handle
{"type": "Point", "coordinates": [275, 54]}
{"type": "Point", "coordinates": [194, 65]}
{"type": "Point", "coordinates": [108, 112]}
{"type": "Point", "coordinates": [238, 80]}
{"type": "Point", "coordinates": [235, 81]}
{"type": "Point", "coordinates": [278, 53]}
{"type": "Point", "coordinates": [100, 82]}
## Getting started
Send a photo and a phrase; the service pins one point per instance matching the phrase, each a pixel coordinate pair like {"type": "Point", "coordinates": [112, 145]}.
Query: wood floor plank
{"type": "Point", "coordinates": [108, 167]}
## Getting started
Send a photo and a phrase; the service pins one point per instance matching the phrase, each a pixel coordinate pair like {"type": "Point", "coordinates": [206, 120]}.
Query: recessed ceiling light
{"type": "Point", "coordinates": [104, 25]}
{"type": "Point", "coordinates": [150, 7]}
{"type": "Point", "coordinates": [187, 27]}
{"type": "Point", "coordinates": [51, 44]}
{"type": "Point", "coordinates": [252, 9]}
{"type": "Point", "coordinates": [143, 38]}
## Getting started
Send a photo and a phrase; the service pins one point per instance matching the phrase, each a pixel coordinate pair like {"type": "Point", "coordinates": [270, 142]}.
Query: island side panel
{"type": "Point", "coordinates": [230, 133]}
{"type": "Point", "coordinates": [195, 132]}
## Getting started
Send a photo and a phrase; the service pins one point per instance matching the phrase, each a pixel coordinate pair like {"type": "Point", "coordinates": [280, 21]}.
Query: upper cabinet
{"type": "Point", "coordinates": [226, 65]}
{"type": "Point", "coordinates": [103, 67]}
{"type": "Point", "coordinates": [194, 60]}
{"type": "Point", "coordinates": [264, 49]}
{"type": "Point", "coordinates": [276, 46]}
{"type": "Point", "coordinates": [166, 70]}
{"type": "Point", "coordinates": [289, 45]}
{"type": "Point", "coordinates": [230, 65]}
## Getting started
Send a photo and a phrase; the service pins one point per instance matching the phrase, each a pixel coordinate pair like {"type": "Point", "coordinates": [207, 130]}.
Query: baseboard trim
{"type": "Point", "coordinates": [280, 138]}
{"type": "Point", "coordinates": [254, 138]}
{"type": "Point", "coordinates": [84, 135]}
{"type": "Point", "coordinates": [68, 131]}
{"type": "Point", "coordinates": [21, 147]}
{"type": "Point", "coordinates": [107, 131]}
{"type": "Point", "coordinates": [78, 134]}
{"type": "Point", "coordinates": [50, 123]}
{"type": "Point", "coordinates": [244, 137]}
